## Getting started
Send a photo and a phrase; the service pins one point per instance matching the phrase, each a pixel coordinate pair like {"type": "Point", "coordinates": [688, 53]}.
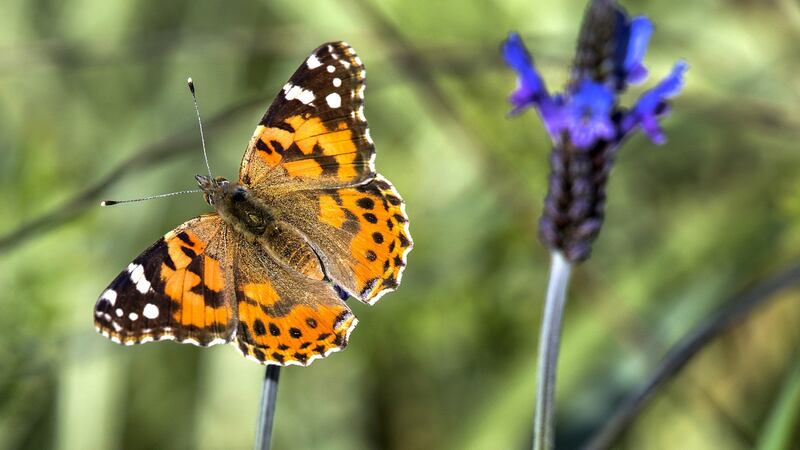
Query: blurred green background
{"type": "Point", "coordinates": [93, 105]}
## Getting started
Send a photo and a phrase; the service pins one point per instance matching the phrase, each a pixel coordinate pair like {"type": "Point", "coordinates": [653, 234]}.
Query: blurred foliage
{"type": "Point", "coordinates": [726, 396]}
{"type": "Point", "coordinates": [447, 361]}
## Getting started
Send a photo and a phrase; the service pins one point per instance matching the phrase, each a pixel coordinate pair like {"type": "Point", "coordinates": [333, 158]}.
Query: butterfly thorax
{"type": "Point", "coordinates": [257, 222]}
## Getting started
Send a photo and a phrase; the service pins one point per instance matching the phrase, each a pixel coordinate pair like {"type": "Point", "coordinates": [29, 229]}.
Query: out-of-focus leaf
{"type": "Point", "coordinates": [738, 391]}
{"type": "Point", "coordinates": [781, 429]}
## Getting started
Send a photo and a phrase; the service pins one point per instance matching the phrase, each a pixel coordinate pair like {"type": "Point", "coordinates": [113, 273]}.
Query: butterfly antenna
{"type": "Point", "coordinates": [117, 202]}
{"type": "Point", "coordinates": [200, 123]}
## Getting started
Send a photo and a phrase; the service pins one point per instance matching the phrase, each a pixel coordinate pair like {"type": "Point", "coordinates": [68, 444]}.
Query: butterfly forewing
{"type": "Point", "coordinates": [175, 290]}
{"type": "Point", "coordinates": [315, 133]}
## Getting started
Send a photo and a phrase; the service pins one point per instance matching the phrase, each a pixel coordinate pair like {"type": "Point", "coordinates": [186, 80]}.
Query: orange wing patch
{"type": "Point", "coordinates": [286, 318]}
{"type": "Point", "coordinates": [329, 211]}
{"type": "Point", "coordinates": [260, 293]}
{"type": "Point", "coordinates": [304, 334]}
{"type": "Point", "coordinates": [270, 143]}
{"type": "Point", "coordinates": [195, 282]}
{"type": "Point", "coordinates": [374, 215]}
{"type": "Point", "coordinates": [311, 148]}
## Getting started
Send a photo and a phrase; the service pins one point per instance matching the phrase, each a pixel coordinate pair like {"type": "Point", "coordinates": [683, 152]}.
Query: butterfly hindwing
{"type": "Point", "coordinates": [174, 290]}
{"type": "Point", "coordinates": [284, 317]}
{"type": "Point", "coordinates": [360, 232]}
{"type": "Point", "coordinates": [315, 132]}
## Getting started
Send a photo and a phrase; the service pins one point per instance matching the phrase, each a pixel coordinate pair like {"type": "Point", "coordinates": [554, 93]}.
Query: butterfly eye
{"type": "Point", "coordinates": [238, 194]}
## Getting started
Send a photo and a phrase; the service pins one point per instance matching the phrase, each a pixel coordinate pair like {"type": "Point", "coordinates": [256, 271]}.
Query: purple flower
{"type": "Point", "coordinates": [587, 112]}
{"type": "Point", "coordinates": [530, 87]}
{"type": "Point", "coordinates": [652, 105]}
{"type": "Point", "coordinates": [638, 34]}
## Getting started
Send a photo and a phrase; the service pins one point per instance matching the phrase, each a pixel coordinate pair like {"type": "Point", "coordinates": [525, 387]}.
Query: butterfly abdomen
{"type": "Point", "coordinates": [293, 250]}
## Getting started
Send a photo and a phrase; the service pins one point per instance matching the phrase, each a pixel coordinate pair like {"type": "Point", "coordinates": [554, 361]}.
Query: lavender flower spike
{"type": "Point", "coordinates": [587, 122]}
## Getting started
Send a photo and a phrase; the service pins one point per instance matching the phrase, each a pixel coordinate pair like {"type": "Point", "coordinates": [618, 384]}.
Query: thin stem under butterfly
{"type": "Point", "coordinates": [549, 343]}
{"type": "Point", "coordinates": [266, 415]}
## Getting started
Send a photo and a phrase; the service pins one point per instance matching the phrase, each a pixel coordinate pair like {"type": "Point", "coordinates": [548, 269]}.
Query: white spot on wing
{"type": "Point", "coordinates": [334, 100]}
{"type": "Point", "coordinates": [303, 95]}
{"type": "Point", "coordinates": [138, 278]}
{"type": "Point", "coordinates": [118, 312]}
{"type": "Point", "coordinates": [331, 69]}
{"type": "Point", "coordinates": [313, 62]}
{"type": "Point", "coordinates": [133, 316]}
{"type": "Point", "coordinates": [110, 295]}
{"type": "Point", "coordinates": [150, 311]}
{"type": "Point", "coordinates": [143, 286]}
{"type": "Point", "coordinates": [337, 82]}
{"type": "Point", "coordinates": [306, 97]}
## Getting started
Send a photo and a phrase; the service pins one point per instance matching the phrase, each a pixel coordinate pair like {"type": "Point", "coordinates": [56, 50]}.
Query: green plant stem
{"type": "Point", "coordinates": [780, 428]}
{"type": "Point", "coordinates": [549, 342]}
{"type": "Point", "coordinates": [266, 415]}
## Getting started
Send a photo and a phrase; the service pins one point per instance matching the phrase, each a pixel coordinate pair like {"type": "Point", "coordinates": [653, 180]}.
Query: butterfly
{"type": "Point", "coordinates": [308, 223]}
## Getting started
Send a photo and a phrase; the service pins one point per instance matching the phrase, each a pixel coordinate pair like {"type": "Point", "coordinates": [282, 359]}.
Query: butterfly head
{"type": "Point", "coordinates": [216, 190]}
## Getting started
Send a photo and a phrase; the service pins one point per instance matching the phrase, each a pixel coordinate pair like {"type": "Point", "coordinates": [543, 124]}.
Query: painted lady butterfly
{"type": "Point", "coordinates": [308, 223]}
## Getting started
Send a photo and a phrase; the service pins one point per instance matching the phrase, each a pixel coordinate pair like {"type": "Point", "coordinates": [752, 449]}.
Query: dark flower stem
{"type": "Point", "coordinates": [549, 343]}
{"type": "Point", "coordinates": [266, 415]}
